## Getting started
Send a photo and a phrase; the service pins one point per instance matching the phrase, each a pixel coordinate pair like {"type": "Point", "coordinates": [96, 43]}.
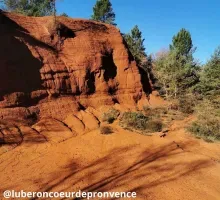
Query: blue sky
{"type": "Point", "coordinates": [159, 20]}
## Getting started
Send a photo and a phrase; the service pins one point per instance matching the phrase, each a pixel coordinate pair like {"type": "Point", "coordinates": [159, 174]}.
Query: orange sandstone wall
{"type": "Point", "coordinates": [89, 66]}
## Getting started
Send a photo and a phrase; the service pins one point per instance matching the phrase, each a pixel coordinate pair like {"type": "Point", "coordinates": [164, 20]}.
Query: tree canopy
{"type": "Point", "coordinates": [103, 12]}
{"type": "Point", "coordinates": [176, 70]}
{"type": "Point", "coordinates": [64, 15]}
{"type": "Point", "coordinates": [30, 7]}
{"type": "Point", "coordinates": [182, 43]}
{"type": "Point", "coordinates": [210, 76]}
{"type": "Point", "coordinates": [135, 44]}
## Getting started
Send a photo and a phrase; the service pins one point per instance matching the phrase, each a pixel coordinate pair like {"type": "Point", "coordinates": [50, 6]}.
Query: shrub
{"type": "Point", "coordinates": [209, 131]}
{"type": "Point", "coordinates": [154, 112]}
{"type": "Point", "coordinates": [110, 116]}
{"type": "Point", "coordinates": [106, 130]}
{"type": "Point", "coordinates": [186, 104]}
{"type": "Point", "coordinates": [139, 121]}
{"type": "Point", "coordinates": [207, 125]}
{"type": "Point", "coordinates": [154, 126]}
{"type": "Point", "coordinates": [134, 120]}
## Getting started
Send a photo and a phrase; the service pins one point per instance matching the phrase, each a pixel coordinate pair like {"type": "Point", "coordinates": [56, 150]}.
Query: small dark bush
{"type": "Point", "coordinates": [154, 126]}
{"type": "Point", "coordinates": [174, 105]}
{"type": "Point", "coordinates": [187, 104]}
{"type": "Point", "coordinates": [134, 120]}
{"type": "Point", "coordinates": [110, 116]}
{"type": "Point", "coordinates": [154, 111]}
{"type": "Point", "coordinates": [106, 130]}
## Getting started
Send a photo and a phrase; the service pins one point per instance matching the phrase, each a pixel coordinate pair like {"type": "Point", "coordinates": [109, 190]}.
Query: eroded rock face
{"type": "Point", "coordinates": [53, 130]}
{"type": "Point", "coordinates": [88, 66]}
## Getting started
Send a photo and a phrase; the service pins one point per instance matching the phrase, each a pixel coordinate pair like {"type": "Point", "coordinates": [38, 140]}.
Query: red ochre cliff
{"type": "Point", "coordinates": [88, 66]}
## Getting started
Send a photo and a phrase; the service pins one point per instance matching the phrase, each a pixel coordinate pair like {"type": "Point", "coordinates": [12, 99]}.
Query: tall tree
{"type": "Point", "coordinates": [176, 70]}
{"type": "Point", "coordinates": [210, 77]}
{"type": "Point", "coordinates": [168, 71]}
{"type": "Point", "coordinates": [135, 44]}
{"type": "Point", "coordinates": [30, 7]}
{"type": "Point", "coordinates": [182, 43]}
{"type": "Point", "coordinates": [103, 12]}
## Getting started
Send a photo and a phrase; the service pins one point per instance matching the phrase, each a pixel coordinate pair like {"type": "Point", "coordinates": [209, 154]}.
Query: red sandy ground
{"type": "Point", "coordinates": [175, 167]}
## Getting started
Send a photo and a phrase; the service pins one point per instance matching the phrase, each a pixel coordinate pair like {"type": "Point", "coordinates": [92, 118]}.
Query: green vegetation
{"type": "Point", "coordinates": [209, 85]}
{"type": "Point", "coordinates": [106, 130]}
{"type": "Point", "coordinates": [165, 114]}
{"type": "Point", "coordinates": [207, 125]}
{"type": "Point", "coordinates": [182, 43]}
{"type": "Point", "coordinates": [154, 126]}
{"type": "Point", "coordinates": [103, 12]}
{"type": "Point", "coordinates": [110, 116]}
{"type": "Point", "coordinates": [30, 8]}
{"type": "Point", "coordinates": [156, 112]}
{"type": "Point", "coordinates": [186, 103]}
{"type": "Point", "coordinates": [176, 70]}
{"type": "Point", "coordinates": [138, 121]}
{"type": "Point", "coordinates": [134, 120]}
{"type": "Point", "coordinates": [64, 15]}
{"type": "Point", "coordinates": [135, 44]}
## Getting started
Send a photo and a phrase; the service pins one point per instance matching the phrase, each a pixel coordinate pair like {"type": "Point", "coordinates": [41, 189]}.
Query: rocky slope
{"type": "Point", "coordinates": [53, 72]}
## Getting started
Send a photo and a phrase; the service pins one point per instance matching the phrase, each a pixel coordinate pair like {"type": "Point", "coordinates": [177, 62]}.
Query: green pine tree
{"type": "Point", "coordinates": [177, 70]}
{"type": "Point", "coordinates": [30, 7]}
{"type": "Point", "coordinates": [210, 76]}
{"type": "Point", "coordinates": [103, 12]}
{"type": "Point", "coordinates": [182, 43]}
{"type": "Point", "coordinates": [135, 44]}
{"type": "Point", "coordinates": [64, 15]}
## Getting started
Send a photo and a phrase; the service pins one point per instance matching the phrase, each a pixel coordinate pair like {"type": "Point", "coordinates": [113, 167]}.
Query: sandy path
{"type": "Point", "coordinates": [176, 167]}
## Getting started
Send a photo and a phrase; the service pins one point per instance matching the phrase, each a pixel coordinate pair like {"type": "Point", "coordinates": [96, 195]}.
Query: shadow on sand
{"type": "Point", "coordinates": [124, 169]}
